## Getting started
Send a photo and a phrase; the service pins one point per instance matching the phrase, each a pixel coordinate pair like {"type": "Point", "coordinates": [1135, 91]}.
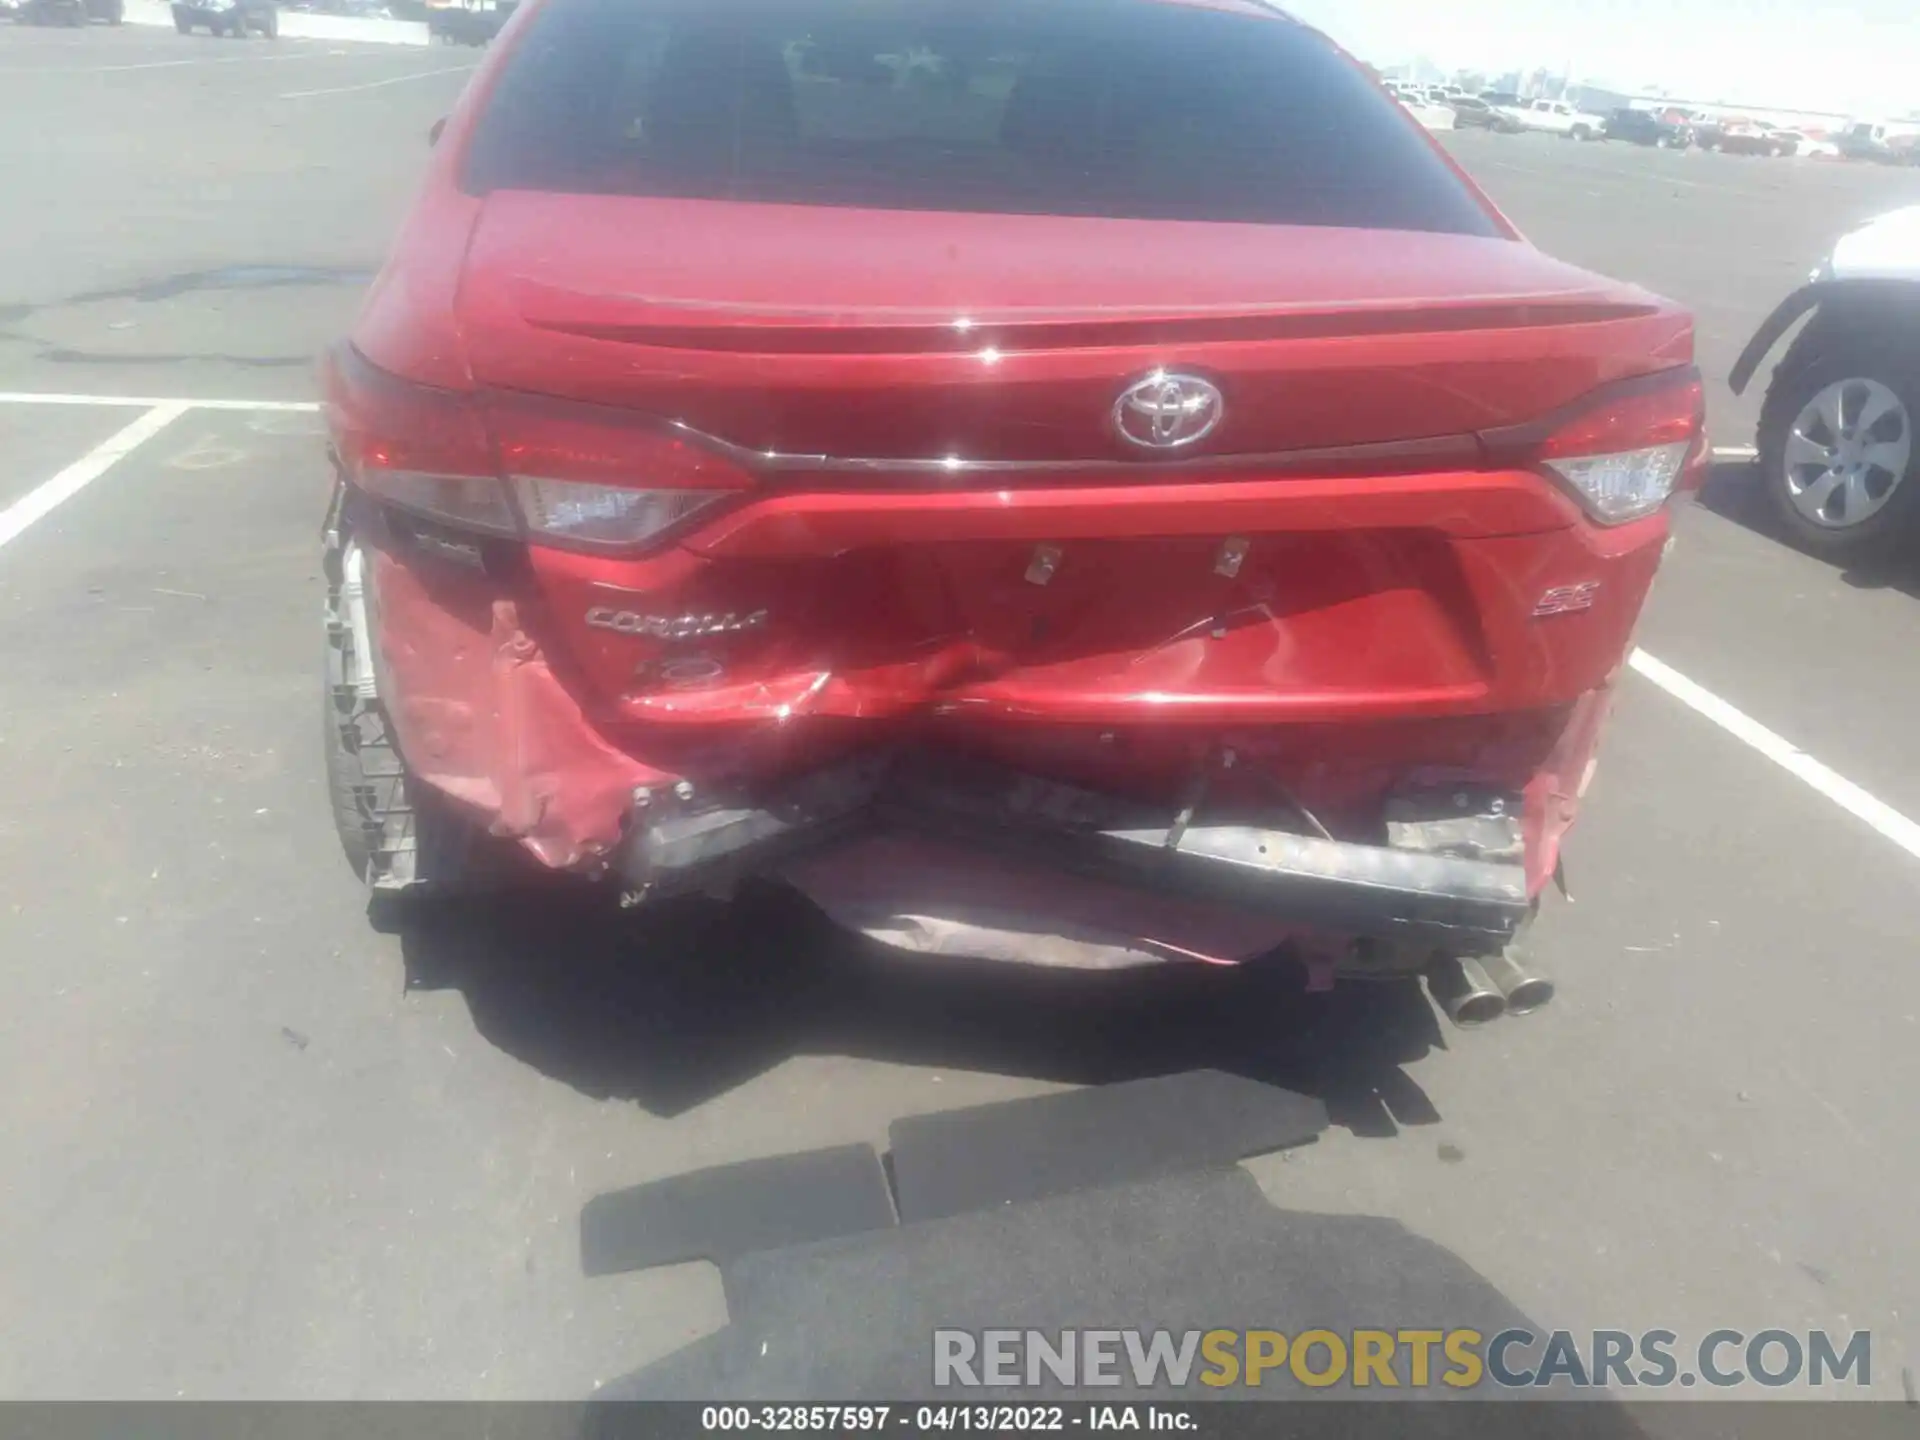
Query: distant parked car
{"type": "Point", "coordinates": [1893, 143]}
{"type": "Point", "coordinates": [1556, 117]}
{"type": "Point", "coordinates": [228, 17]}
{"type": "Point", "coordinates": [467, 22]}
{"type": "Point", "coordinates": [1649, 127]}
{"type": "Point", "coordinates": [1432, 114]}
{"type": "Point", "coordinates": [1748, 139]}
{"type": "Point", "coordinates": [1816, 147]}
{"type": "Point", "coordinates": [1838, 455]}
{"type": "Point", "coordinates": [1709, 131]}
{"type": "Point", "coordinates": [64, 12]}
{"type": "Point", "coordinates": [1419, 103]}
{"type": "Point", "coordinates": [1471, 113]}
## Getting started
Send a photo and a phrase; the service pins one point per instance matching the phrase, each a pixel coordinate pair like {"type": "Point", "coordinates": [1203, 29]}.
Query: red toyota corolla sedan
{"type": "Point", "coordinates": [1083, 483]}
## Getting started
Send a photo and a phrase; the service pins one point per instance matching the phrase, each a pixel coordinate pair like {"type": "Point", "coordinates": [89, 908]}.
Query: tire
{"type": "Point", "coordinates": [1851, 375]}
{"type": "Point", "coordinates": [271, 28]}
{"type": "Point", "coordinates": [118, 14]}
{"type": "Point", "coordinates": [183, 25]}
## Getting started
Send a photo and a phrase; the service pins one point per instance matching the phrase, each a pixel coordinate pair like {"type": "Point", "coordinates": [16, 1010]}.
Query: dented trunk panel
{"type": "Point", "coordinates": [1308, 626]}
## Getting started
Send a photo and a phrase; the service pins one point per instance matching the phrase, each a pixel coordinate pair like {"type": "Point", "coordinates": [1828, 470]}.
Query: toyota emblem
{"type": "Point", "coordinates": [1168, 410]}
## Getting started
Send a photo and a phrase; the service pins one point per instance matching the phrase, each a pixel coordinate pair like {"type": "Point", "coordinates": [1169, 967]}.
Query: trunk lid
{"type": "Point", "coordinates": [918, 335]}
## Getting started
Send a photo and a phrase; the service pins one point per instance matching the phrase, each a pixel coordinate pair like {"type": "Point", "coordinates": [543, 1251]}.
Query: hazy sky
{"type": "Point", "coordinates": [1855, 56]}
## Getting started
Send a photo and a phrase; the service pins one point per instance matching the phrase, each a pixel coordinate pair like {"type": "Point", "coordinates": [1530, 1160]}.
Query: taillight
{"type": "Point", "coordinates": [422, 449]}
{"type": "Point", "coordinates": [601, 480]}
{"type": "Point", "coordinates": [1626, 451]}
{"type": "Point", "coordinates": [554, 472]}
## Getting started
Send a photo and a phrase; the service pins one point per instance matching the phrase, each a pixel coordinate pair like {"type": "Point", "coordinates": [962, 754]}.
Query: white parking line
{"type": "Point", "coordinates": [1788, 756]}
{"type": "Point", "coordinates": [41, 500]}
{"type": "Point", "coordinates": [149, 402]}
{"type": "Point", "coordinates": [376, 84]}
{"type": "Point", "coordinates": [165, 64]}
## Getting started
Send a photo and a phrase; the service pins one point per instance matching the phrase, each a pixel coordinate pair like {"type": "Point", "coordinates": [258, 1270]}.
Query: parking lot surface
{"type": "Point", "coordinates": [258, 1145]}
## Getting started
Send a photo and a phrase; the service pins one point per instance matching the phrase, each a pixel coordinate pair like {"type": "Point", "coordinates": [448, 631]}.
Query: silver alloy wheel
{"type": "Point", "coordinates": [1847, 452]}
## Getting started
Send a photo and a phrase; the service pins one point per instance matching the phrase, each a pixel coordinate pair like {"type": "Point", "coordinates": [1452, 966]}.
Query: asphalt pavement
{"type": "Point", "coordinates": [257, 1143]}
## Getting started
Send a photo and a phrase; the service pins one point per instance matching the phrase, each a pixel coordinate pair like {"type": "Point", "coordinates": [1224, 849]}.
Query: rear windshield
{"type": "Point", "coordinates": [1124, 108]}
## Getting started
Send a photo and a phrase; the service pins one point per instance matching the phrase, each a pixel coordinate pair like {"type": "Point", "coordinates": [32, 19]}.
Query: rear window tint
{"type": "Point", "coordinates": [1123, 108]}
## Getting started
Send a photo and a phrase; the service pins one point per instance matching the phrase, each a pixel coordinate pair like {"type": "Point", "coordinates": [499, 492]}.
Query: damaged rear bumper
{"type": "Point", "coordinates": [1425, 899]}
{"type": "Point", "coordinates": [896, 830]}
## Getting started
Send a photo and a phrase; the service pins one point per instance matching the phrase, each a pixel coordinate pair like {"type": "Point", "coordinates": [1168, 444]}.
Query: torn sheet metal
{"type": "Point", "coordinates": [482, 717]}
{"type": "Point", "coordinates": [1553, 795]}
{"type": "Point", "coordinates": [937, 898]}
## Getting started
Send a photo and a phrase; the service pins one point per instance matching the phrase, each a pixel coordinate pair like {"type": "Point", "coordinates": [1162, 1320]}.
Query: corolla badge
{"type": "Point", "coordinates": [1168, 410]}
{"type": "Point", "coordinates": [673, 627]}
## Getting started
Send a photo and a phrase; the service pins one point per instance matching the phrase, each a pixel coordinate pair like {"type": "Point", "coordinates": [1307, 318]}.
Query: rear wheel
{"type": "Point", "coordinates": [182, 24]}
{"type": "Point", "coordinates": [1837, 449]}
{"type": "Point", "coordinates": [270, 27]}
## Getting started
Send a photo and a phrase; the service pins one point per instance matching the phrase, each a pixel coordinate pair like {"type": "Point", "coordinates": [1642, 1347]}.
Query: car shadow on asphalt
{"type": "Point", "coordinates": [1733, 492]}
{"type": "Point", "coordinates": [674, 1005]}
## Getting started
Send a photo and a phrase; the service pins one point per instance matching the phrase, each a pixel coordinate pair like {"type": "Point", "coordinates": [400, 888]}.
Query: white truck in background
{"type": "Point", "coordinates": [1556, 117]}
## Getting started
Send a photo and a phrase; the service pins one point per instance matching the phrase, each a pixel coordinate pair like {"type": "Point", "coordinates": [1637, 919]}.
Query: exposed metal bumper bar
{"type": "Point", "coordinates": [1407, 896]}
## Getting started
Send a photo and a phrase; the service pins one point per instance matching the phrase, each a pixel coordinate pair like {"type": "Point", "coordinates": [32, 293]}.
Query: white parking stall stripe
{"type": "Point", "coordinates": [161, 64]}
{"type": "Point", "coordinates": [37, 503]}
{"type": "Point", "coordinates": [1788, 756]}
{"type": "Point", "coordinates": [376, 84]}
{"type": "Point", "coordinates": [149, 402]}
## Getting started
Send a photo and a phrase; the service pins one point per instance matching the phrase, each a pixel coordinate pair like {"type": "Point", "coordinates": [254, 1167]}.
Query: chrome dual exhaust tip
{"type": "Point", "coordinates": [1476, 992]}
{"type": "Point", "coordinates": [1463, 989]}
{"type": "Point", "coordinates": [1523, 990]}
